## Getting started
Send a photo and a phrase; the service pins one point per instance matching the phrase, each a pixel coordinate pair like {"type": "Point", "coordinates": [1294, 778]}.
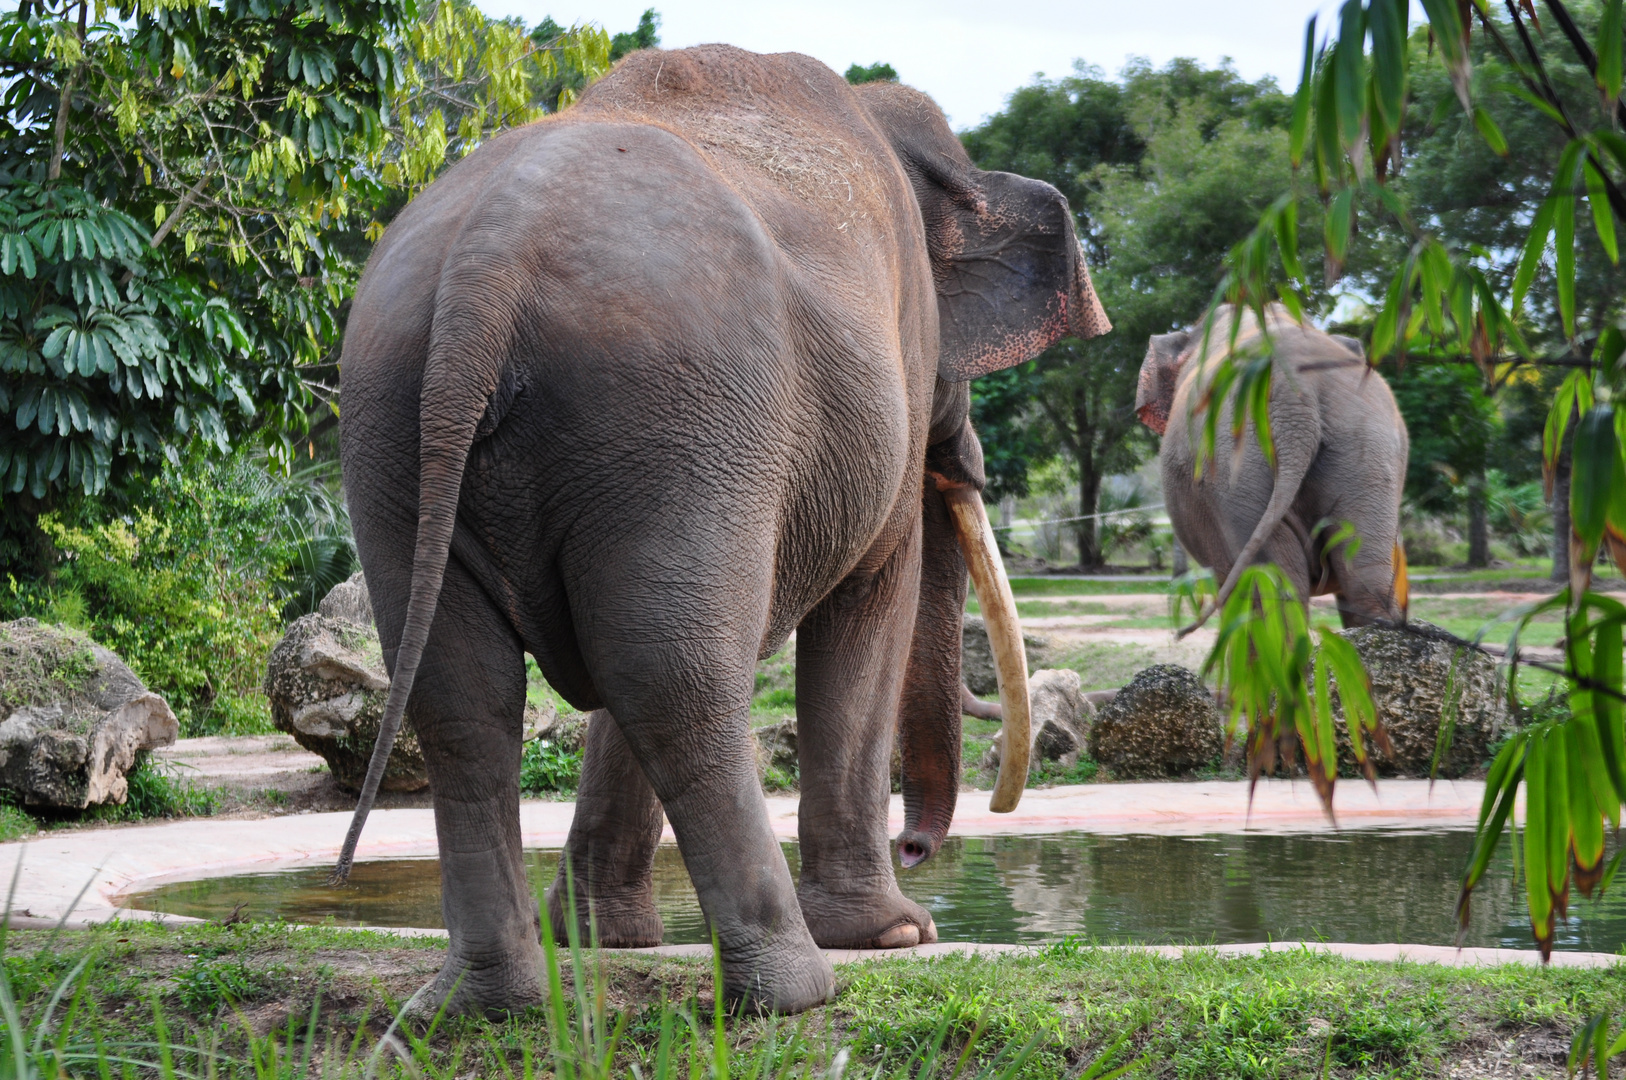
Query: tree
{"type": "Point", "coordinates": [1167, 170]}
{"type": "Point", "coordinates": [188, 194]}
{"type": "Point", "coordinates": [876, 72]}
{"type": "Point", "coordinates": [1450, 179]}
{"type": "Point", "coordinates": [1453, 425]}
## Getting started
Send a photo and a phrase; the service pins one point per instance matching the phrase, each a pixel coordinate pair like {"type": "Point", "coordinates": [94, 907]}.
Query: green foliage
{"type": "Point", "coordinates": [547, 768]}
{"type": "Point", "coordinates": [1447, 298]}
{"type": "Point", "coordinates": [1278, 682]}
{"type": "Point", "coordinates": [188, 600]}
{"type": "Point", "coordinates": [876, 72]}
{"type": "Point", "coordinates": [157, 790]}
{"type": "Point", "coordinates": [1167, 169]}
{"type": "Point", "coordinates": [646, 35]}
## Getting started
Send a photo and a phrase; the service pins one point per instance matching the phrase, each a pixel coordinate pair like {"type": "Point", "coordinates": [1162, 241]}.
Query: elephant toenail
{"type": "Point", "coordinates": [901, 936]}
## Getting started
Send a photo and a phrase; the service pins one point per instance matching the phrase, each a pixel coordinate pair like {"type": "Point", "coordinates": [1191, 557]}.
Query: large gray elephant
{"type": "Point", "coordinates": [642, 388]}
{"type": "Point", "coordinates": [1341, 450]}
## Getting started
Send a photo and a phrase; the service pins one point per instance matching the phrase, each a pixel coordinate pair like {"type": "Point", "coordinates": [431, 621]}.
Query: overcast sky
{"type": "Point", "coordinates": [970, 54]}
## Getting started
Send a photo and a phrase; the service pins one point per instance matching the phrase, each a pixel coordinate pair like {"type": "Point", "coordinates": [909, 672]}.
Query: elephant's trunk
{"type": "Point", "coordinates": [976, 537]}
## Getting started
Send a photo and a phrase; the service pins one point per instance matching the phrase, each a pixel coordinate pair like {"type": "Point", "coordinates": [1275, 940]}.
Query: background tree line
{"type": "Point", "coordinates": [1169, 168]}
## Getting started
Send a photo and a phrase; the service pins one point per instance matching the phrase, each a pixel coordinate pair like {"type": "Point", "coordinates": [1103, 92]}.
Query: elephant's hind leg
{"type": "Point", "coordinates": [467, 707]}
{"type": "Point", "coordinates": [609, 859]}
{"type": "Point", "coordinates": [674, 661]}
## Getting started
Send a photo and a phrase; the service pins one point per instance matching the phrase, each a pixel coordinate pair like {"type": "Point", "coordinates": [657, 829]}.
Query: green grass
{"type": "Point", "coordinates": [1045, 586]}
{"type": "Point", "coordinates": [241, 989]}
{"type": "Point", "coordinates": [1105, 665]}
{"type": "Point", "coordinates": [15, 823]}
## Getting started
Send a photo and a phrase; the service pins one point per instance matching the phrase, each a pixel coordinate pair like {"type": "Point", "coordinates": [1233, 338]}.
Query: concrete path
{"type": "Point", "coordinates": [106, 865]}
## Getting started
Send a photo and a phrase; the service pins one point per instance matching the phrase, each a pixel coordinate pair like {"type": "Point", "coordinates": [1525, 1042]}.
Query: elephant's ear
{"type": "Point", "coordinates": [1160, 378]}
{"type": "Point", "coordinates": [1010, 274]}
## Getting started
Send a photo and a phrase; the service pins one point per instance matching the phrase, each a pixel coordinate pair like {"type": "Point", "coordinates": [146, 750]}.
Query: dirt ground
{"type": "Point", "coordinates": [263, 775]}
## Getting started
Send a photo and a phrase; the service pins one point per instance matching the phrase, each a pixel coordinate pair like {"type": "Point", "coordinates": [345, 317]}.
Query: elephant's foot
{"type": "Point", "coordinates": [619, 921]}
{"type": "Point", "coordinates": [878, 920]}
{"type": "Point", "coordinates": [491, 990]}
{"type": "Point", "coordinates": [783, 982]}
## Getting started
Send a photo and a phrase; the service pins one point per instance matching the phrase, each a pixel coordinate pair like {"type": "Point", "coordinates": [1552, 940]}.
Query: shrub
{"type": "Point", "coordinates": [545, 767]}
{"type": "Point", "coordinates": [187, 584]}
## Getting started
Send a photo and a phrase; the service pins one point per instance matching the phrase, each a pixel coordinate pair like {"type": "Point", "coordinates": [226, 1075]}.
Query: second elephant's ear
{"type": "Point", "coordinates": [1010, 274]}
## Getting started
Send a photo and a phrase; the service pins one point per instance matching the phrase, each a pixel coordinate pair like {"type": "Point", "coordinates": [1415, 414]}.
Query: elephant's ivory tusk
{"type": "Point", "coordinates": [1004, 640]}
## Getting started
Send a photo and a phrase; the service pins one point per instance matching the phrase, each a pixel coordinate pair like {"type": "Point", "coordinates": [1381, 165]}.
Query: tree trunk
{"type": "Point", "coordinates": [1478, 541]}
{"type": "Point", "coordinates": [1089, 535]}
{"type": "Point", "coordinates": [1561, 517]}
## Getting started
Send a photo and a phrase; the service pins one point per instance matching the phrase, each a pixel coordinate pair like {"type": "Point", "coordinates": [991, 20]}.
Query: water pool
{"type": "Point", "coordinates": [1358, 886]}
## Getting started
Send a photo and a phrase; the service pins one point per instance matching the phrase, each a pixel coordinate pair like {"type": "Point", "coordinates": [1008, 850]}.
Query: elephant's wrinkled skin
{"type": "Point", "coordinates": [670, 375]}
{"type": "Point", "coordinates": [1341, 451]}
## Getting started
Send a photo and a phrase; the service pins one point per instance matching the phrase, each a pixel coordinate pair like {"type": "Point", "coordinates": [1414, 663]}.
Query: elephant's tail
{"type": "Point", "coordinates": [1290, 473]}
{"type": "Point", "coordinates": [466, 358]}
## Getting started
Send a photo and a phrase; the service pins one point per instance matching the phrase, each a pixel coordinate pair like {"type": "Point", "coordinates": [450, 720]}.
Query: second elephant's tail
{"type": "Point", "coordinates": [1291, 469]}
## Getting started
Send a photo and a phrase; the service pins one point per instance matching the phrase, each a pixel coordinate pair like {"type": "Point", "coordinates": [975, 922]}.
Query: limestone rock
{"type": "Point", "coordinates": [1163, 723]}
{"type": "Point", "coordinates": [566, 730]}
{"type": "Point", "coordinates": [1061, 718]}
{"type": "Point", "coordinates": [349, 601]}
{"type": "Point", "coordinates": [73, 718]}
{"type": "Point", "coordinates": [776, 748]}
{"type": "Point", "coordinates": [977, 660]}
{"type": "Point", "coordinates": [1409, 672]}
{"type": "Point", "coordinates": [327, 684]}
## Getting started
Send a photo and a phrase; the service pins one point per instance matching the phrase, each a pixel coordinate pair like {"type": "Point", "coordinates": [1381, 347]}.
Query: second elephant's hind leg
{"type": "Point", "coordinates": [609, 859]}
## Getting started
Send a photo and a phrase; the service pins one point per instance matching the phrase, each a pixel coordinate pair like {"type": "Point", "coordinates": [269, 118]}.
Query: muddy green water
{"type": "Point", "coordinates": [1358, 886]}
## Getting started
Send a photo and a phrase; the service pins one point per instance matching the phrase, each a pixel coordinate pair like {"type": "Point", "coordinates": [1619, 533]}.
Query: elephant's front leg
{"type": "Point", "coordinates": [851, 655]}
{"type": "Point", "coordinates": [610, 858]}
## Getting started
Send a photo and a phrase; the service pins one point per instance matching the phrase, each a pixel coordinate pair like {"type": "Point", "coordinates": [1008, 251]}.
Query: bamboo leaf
{"type": "Point", "coordinates": [1603, 217]}
{"type": "Point", "coordinates": [1490, 132]}
{"type": "Point", "coordinates": [1387, 19]}
{"type": "Point", "coordinates": [1564, 256]}
{"type": "Point", "coordinates": [1538, 898]}
{"type": "Point", "coordinates": [1351, 70]}
{"type": "Point", "coordinates": [1300, 125]}
{"type": "Point", "coordinates": [1609, 48]}
{"type": "Point", "coordinates": [1594, 463]}
{"type": "Point", "coordinates": [1586, 823]}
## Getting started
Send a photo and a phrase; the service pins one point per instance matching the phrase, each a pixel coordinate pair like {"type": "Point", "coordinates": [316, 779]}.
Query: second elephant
{"type": "Point", "coordinates": [1341, 450]}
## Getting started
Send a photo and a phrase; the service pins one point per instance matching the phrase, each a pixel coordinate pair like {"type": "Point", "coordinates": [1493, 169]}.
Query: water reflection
{"type": "Point", "coordinates": [1370, 886]}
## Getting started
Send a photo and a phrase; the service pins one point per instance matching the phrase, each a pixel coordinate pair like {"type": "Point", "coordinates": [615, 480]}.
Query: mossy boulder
{"type": "Point", "coordinates": [1415, 673]}
{"type": "Point", "coordinates": [73, 718]}
{"type": "Point", "coordinates": [1164, 723]}
{"type": "Point", "coordinates": [327, 684]}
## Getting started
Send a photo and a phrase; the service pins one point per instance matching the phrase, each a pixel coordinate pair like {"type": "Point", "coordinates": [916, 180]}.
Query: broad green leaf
{"type": "Point", "coordinates": [1538, 805]}
{"type": "Point", "coordinates": [1350, 71]}
{"type": "Point", "coordinates": [1387, 19]}
{"type": "Point", "coordinates": [1448, 20]}
{"type": "Point", "coordinates": [1586, 824]}
{"type": "Point", "coordinates": [1340, 219]}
